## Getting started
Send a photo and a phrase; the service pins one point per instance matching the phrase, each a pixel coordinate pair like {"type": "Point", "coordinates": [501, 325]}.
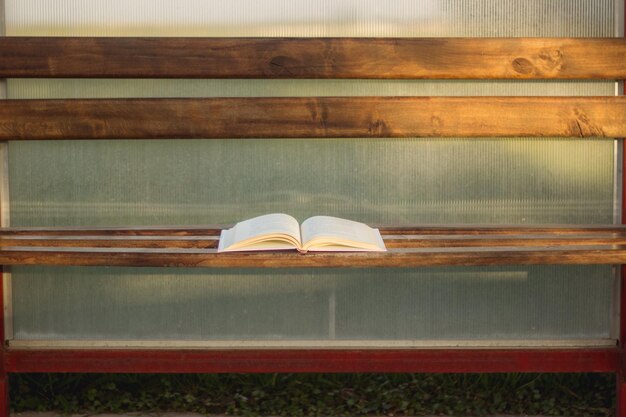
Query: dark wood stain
{"type": "Point", "coordinates": [306, 117]}
{"type": "Point", "coordinates": [408, 247]}
{"type": "Point", "coordinates": [523, 66]}
{"type": "Point", "coordinates": [450, 58]}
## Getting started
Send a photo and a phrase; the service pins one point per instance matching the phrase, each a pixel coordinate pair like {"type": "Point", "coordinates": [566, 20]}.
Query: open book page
{"type": "Point", "coordinates": [269, 232]}
{"type": "Point", "coordinates": [326, 233]}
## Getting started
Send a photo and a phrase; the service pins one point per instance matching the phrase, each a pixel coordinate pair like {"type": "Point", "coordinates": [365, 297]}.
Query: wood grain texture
{"type": "Point", "coordinates": [308, 360]}
{"type": "Point", "coordinates": [394, 258]}
{"type": "Point", "coordinates": [447, 58]}
{"type": "Point", "coordinates": [416, 247]}
{"type": "Point", "coordinates": [312, 117]}
{"type": "Point", "coordinates": [390, 242]}
{"type": "Point", "coordinates": [214, 230]}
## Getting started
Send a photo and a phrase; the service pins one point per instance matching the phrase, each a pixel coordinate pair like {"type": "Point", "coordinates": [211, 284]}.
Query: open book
{"type": "Point", "coordinates": [320, 233]}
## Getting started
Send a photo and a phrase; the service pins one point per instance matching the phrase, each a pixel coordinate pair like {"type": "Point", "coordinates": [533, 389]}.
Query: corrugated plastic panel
{"type": "Point", "coordinates": [312, 18]}
{"type": "Point", "coordinates": [375, 180]}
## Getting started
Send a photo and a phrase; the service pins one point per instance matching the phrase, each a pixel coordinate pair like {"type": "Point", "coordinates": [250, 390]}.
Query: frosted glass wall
{"type": "Point", "coordinates": [381, 181]}
{"type": "Point", "coordinates": [389, 304]}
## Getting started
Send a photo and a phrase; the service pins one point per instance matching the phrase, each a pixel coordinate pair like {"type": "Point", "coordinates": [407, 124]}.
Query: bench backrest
{"type": "Point", "coordinates": [441, 58]}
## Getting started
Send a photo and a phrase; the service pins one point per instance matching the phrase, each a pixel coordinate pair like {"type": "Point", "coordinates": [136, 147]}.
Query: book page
{"type": "Point", "coordinates": [326, 233]}
{"type": "Point", "coordinates": [268, 232]}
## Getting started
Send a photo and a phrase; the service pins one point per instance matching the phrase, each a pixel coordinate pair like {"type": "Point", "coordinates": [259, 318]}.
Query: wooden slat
{"type": "Point", "coordinates": [450, 58]}
{"type": "Point", "coordinates": [309, 360]}
{"type": "Point", "coordinates": [478, 246]}
{"type": "Point", "coordinates": [211, 231]}
{"type": "Point", "coordinates": [214, 230]}
{"type": "Point", "coordinates": [311, 117]}
{"type": "Point", "coordinates": [9, 232]}
{"type": "Point", "coordinates": [391, 241]}
{"type": "Point", "coordinates": [104, 242]}
{"type": "Point", "coordinates": [393, 258]}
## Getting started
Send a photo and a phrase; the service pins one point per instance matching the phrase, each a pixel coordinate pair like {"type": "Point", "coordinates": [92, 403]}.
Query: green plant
{"type": "Point", "coordinates": [318, 394]}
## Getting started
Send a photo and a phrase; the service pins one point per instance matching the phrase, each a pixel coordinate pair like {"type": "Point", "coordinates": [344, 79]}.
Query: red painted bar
{"type": "Point", "coordinates": [301, 360]}
{"type": "Point", "coordinates": [621, 395]}
{"type": "Point", "coordinates": [621, 371]}
{"type": "Point", "coordinates": [4, 397]}
{"type": "Point", "coordinates": [4, 379]}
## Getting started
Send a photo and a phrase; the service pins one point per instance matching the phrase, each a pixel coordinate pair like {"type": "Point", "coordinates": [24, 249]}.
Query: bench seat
{"type": "Point", "coordinates": [407, 247]}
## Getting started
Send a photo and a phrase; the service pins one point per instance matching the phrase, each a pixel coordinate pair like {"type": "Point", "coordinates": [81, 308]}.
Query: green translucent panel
{"type": "Point", "coordinates": [311, 18]}
{"type": "Point", "coordinates": [429, 303]}
{"type": "Point", "coordinates": [109, 88]}
{"type": "Point", "coordinates": [384, 181]}
{"type": "Point", "coordinates": [393, 181]}
{"type": "Point", "coordinates": [381, 181]}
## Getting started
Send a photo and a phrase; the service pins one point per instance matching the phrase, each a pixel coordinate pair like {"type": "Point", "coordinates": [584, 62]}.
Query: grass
{"type": "Point", "coordinates": [318, 394]}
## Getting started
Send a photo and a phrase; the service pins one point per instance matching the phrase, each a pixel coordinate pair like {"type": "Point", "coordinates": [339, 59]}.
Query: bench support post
{"type": "Point", "coordinates": [4, 377]}
{"type": "Point", "coordinates": [4, 395]}
{"type": "Point", "coordinates": [621, 395]}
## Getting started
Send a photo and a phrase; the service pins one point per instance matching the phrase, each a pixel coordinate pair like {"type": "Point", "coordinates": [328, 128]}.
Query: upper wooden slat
{"type": "Point", "coordinates": [407, 247]}
{"type": "Point", "coordinates": [311, 117]}
{"type": "Point", "coordinates": [446, 58]}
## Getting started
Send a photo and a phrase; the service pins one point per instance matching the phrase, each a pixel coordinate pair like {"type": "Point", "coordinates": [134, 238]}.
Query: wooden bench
{"type": "Point", "coordinates": [314, 117]}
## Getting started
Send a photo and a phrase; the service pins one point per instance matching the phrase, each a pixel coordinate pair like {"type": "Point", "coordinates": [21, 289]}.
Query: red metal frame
{"type": "Point", "coordinates": [4, 377]}
{"type": "Point", "coordinates": [305, 360]}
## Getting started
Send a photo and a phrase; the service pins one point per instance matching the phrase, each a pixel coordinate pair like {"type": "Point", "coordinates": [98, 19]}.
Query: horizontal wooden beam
{"type": "Point", "coordinates": [407, 247]}
{"type": "Point", "coordinates": [312, 117]}
{"type": "Point", "coordinates": [165, 241]}
{"type": "Point", "coordinates": [409, 258]}
{"type": "Point", "coordinates": [301, 360]}
{"type": "Point", "coordinates": [214, 230]}
{"type": "Point", "coordinates": [211, 230]}
{"type": "Point", "coordinates": [448, 58]}
{"type": "Point", "coordinates": [391, 242]}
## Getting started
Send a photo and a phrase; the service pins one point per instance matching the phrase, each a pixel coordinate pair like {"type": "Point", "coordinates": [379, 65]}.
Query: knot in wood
{"type": "Point", "coordinates": [523, 66]}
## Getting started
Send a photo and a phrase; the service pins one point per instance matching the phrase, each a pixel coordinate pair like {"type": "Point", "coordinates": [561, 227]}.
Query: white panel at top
{"type": "Point", "coordinates": [312, 17]}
